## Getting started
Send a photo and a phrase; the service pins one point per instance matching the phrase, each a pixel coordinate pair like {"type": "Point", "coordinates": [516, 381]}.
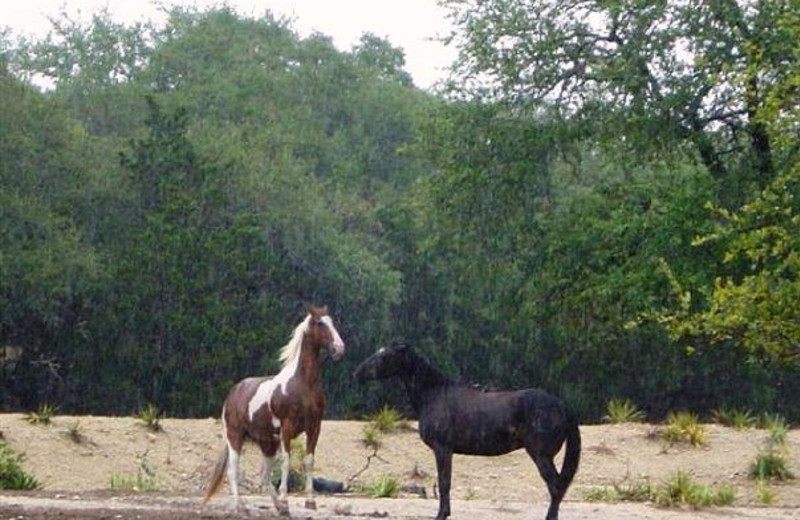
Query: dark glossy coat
{"type": "Point", "coordinates": [458, 419]}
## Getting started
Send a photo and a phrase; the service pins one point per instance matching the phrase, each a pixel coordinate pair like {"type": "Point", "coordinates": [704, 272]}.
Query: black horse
{"type": "Point", "coordinates": [457, 419]}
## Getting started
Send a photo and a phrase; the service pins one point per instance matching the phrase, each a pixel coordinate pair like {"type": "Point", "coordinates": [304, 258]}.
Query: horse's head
{"type": "Point", "coordinates": [323, 333]}
{"type": "Point", "coordinates": [385, 363]}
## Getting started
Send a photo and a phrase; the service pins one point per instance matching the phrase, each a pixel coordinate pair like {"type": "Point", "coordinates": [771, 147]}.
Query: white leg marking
{"type": "Point", "coordinates": [308, 467]}
{"type": "Point", "coordinates": [233, 474]}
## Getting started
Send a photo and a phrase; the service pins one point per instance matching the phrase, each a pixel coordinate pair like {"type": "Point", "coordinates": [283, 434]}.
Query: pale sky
{"type": "Point", "coordinates": [410, 24]}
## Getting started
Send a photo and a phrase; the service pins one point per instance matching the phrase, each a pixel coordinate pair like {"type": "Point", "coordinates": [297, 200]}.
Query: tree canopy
{"type": "Point", "coordinates": [602, 203]}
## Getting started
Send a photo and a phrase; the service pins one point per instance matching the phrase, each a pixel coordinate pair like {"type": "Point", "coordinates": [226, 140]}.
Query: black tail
{"type": "Point", "coordinates": [572, 456]}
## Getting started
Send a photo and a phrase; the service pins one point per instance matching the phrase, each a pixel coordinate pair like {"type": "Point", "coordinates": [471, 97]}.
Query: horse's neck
{"type": "Point", "coordinates": [423, 382]}
{"type": "Point", "coordinates": [308, 365]}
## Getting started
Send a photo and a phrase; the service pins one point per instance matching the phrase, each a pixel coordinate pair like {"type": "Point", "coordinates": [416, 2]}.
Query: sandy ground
{"type": "Point", "coordinates": [76, 476]}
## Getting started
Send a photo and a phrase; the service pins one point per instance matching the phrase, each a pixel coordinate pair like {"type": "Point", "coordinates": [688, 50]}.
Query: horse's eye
{"type": "Point", "coordinates": [321, 323]}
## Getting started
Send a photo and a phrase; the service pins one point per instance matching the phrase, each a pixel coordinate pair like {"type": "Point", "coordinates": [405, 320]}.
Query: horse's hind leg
{"type": "Point", "coordinates": [266, 477]}
{"type": "Point", "coordinates": [547, 469]}
{"type": "Point", "coordinates": [233, 475]}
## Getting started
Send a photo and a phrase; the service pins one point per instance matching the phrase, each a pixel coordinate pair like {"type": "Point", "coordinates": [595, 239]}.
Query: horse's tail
{"type": "Point", "coordinates": [216, 478]}
{"type": "Point", "coordinates": [572, 455]}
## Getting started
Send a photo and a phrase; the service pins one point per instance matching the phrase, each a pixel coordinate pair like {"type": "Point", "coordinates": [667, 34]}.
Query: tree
{"type": "Point", "coordinates": [672, 71]}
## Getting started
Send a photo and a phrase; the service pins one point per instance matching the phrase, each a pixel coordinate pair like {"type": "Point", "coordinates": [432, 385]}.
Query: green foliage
{"type": "Point", "coordinates": [770, 463]}
{"type": "Point", "coordinates": [371, 436]}
{"type": "Point", "coordinates": [144, 481]}
{"type": "Point", "coordinates": [12, 476]}
{"type": "Point", "coordinates": [764, 493]}
{"type": "Point", "coordinates": [74, 433]}
{"type": "Point", "coordinates": [685, 427]}
{"type": "Point", "coordinates": [549, 221]}
{"type": "Point", "coordinates": [622, 411]}
{"type": "Point", "coordinates": [634, 492]}
{"type": "Point", "coordinates": [385, 487]}
{"type": "Point", "coordinates": [150, 417]}
{"type": "Point", "coordinates": [739, 418]}
{"type": "Point", "coordinates": [778, 429]}
{"type": "Point", "coordinates": [42, 415]}
{"type": "Point", "coordinates": [678, 490]}
{"type": "Point", "coordinates": [681, 489]}
{"type": "Point", "coordinates": [386, 420]}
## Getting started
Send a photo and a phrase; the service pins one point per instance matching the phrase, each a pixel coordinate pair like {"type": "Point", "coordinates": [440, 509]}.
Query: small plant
{"type": "Point", "coordinates": [681, 489]}
{"type": "Point", "coordinates": [635, 492]}
{"type": "Point", "coordinates": [622, 411]}
{"type": "Point", "coordinates": [778, 429]}
{"type": "Point", "coordinates": [685, 427]}
{"type": "Point", "coordinates": [386, 487]}
{"type": "Point", "coordinates": [371, 436]}
{"type": "Point", "coordinates": [144, 481]}
{"type": "Point", "coordinates": [11, 474]}
{"type": "Point", "coordinates": [770, 463]}
{"type": "Point", "coordinates": [739, 418]}
{"type": "Point", "coordinates": [764, 492]}
{"type": "Point", "coordinates": [43, 415]}
{"type": "Point", "coordinates": [73, 432]}
{"type": "Point", "coordinates": [387, 419]}
{"type": "Point", "coordinates": [151, 417]}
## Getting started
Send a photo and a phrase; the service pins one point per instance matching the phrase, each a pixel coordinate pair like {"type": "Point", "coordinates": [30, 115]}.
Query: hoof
{"type": "Point", "coordinates": [311, 504]}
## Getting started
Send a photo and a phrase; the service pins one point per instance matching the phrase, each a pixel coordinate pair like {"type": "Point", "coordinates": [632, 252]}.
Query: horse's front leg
{"type": "Point", "coordinates": [286, 459]}
{"type": "Point", "coordinates": [444, 466]}
{"type": "Point", "coordinates": [312, 434]}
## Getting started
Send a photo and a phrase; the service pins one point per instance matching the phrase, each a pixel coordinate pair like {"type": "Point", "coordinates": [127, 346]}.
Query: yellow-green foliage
{"type": "Point", "coordinates": [681, 489]}
{"type": "Point", "coordinates": [622, 411]}
{"type": "Point", "coordinates": [43, 415]}
{"type": "Point", "coordinates": [685, 427]}
{"type": "Point", "coordinates": [11, 474]}
{"type": "Point", "coordinates": [387, 419]}
{"type": "Point", "coordinates": [385, 487]}
{"type": "Point", "coordinates": [151, 417]}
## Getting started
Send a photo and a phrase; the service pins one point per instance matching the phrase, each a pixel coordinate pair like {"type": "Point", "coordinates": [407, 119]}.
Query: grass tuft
{"type": "Point", "coordinates": [385, 487]}
{"type": "Point", "coordinates": [73, 432]}
{"type": "Point", "coordinates": [387, 420]}
{"type": "Point", "coordinates": [43, 415]}
{"type": "Point", "coordinates": [770, 463]}
{"type": "Point", "coordinates": [371, 437]}
{"type": "Point", "coordinates": [739, 418]}
{"type": "Point", "coordinates": [150, 416]}
{"type": "Point", "coordinates": [11, 474]}
{"type": "Point", "coordinates": [685, 427]}
{"type": "Point", "coordinates": [622, 411]}
{"type": "Point", "coordinates": [681, 489]}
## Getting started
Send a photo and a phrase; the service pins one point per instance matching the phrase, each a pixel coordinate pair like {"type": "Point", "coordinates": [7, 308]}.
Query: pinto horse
{"type": "Point", "coordinates": [457, 419]}
{"type": "Point", "coordinates": [271, 411]}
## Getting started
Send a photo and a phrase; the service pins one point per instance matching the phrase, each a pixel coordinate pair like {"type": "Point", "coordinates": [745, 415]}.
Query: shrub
{"type": "Point", "coordinates": [764, 493]}
{"type": "Point", "coordinates": [11, 474]}
{"type": "Point", "coordinates": [635, 492]}
{"type": "Point", "coordinates": [386, 487]}
{"type": "Point", "coordinates": [43, 415]}
{"type": "Point", "coordinates": [778, 429]}
{"type": "Point", "coordinates": [739, 418]}
{"type": "Point", "coordinates": [73, 432]}
{"type": "Point", "coordinates": [681, 489]}
{"type": "Point", "coordinates": [685, 427]}
{"type": "Point", "coordinates": [622, 411]}
{"type": "Point", "coordinates": [151, 417]}
{"type": "Point", "coordinates": [387, 419]}
{"type": "Point", "coordinates": [770, 463]}
{"type": "Point", "coordinates": [371, 436]}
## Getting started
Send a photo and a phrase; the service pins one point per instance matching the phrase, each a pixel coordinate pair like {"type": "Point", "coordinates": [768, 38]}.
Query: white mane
{"type": "Point", "coordinates": [291, 351]}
